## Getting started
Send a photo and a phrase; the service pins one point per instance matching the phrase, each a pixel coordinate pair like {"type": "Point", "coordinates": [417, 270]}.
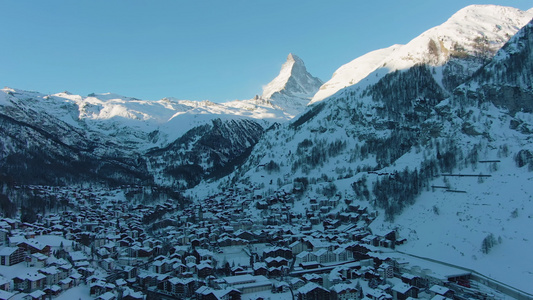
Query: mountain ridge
{"type": "Point", "coordinates": [476, 31]}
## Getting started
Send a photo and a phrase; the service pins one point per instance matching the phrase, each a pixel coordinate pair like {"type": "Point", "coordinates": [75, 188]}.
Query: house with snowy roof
{"type": "Point", "coordinates": [298, 247]}
{"type": "Point", "coordinates": [53, 290]}
{"type": "Point", "coordinates": [312, 291]}
{"type": "Point", "coordinates": [11, 255]}
{"type": "Point", "coordinates": [204, 269]}
{"type": "Point", "coordinates": [401, 290]}
{"type": "Point", "coordinates": [440, 290]}
{"type": "Point", "coordinates": [207, 293]}
{"type": "Point", "coordinates": [37, 260]}
{"type": "Point", "coordinates": [343, 291]}
{"type": "Point", "coordinates": [178, 287]}
{"type": "Point", "coordinates": [36, 295]}
{"type": "Point", "coordinates": [377, 294]}
{"type": "Point", "coordinates": [305, 257]}
{"type": "Point", "coordinates": [52, 275]}
{"type": "Point", "coordinates": [32, 246]}
{"type": "Point", "coordinates": [29, 282]}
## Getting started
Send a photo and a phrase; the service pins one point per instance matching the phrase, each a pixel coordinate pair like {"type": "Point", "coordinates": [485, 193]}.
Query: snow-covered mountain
{"type": "Point", "coordinates": [293, 88]}
{"type": "Point", "coordinates": [66, 128]}
{"type": "Point", "coordinates": [439, 138]}
{"type": "Point", "coordinates": [476, 31]}
{"type": "Point", "coordinates": [437, 131]}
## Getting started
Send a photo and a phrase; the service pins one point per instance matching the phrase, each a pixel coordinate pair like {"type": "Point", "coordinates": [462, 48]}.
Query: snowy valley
{"type": "Point", "coordinates": [407, 175]}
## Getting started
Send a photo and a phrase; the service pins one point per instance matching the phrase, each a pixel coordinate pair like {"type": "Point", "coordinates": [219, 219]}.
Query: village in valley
{"type": "Point", "coordinates": [237, 244]}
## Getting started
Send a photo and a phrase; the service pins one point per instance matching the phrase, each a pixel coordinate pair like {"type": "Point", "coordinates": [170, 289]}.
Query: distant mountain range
{"type": "Point", "coordinates": [435, 134]}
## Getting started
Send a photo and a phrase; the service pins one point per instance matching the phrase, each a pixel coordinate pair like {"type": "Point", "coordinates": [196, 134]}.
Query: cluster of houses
{"type": "Point", "coordinates": [233, 245]}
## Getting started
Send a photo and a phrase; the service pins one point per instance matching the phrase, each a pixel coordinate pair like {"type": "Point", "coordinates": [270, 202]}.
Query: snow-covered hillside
{"type": "Point", "coordinates": [477, 31]}
{"type": "Point", "coordinates": [400, 140]}
{"type": "Point", "coordinates": [435, 135]}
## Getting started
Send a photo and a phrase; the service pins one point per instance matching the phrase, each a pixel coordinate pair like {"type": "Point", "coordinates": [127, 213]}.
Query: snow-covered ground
{"type": "Point", "coordinates": [450, 226]}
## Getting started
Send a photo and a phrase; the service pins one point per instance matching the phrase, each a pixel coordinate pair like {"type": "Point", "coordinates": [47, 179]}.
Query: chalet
{"type": "Point", "coordinates": [204, 269]}
{"type": "Point", "coordinates": [33, 246]}
{"type": "Point", "coordinates": [296, 283]}
{"type": "Point", "coordinates": [146, 280]}
{"type": "Point", "coordinates": [13, 224]}
{"type": "Point", "coordinates": [76, 278]}
{"type": "Point", "coordinates": [52, 275]}
{"type": "Point", "coordinates": [276, 262]}
{"type": "Point", "coordinates": [107, 296]}
{"type": "Point", "coordinates": [36, 295]}
{"type": "Point", "coordinates": [377, 294]}
{"type": "Point", "coordinates": [11, 255]}
{"type": "Point", "coordinates": [29, 282]}
{"type": "Point", "coordinates": [53, 290]}
{"type": "Point", "coordinates": [344, 291]}
{"type": "Point", "coordinates": [179, 268]}
{"type": "Point", "coordinates": [64, 270]}
{"type": "Point", "coordinates": [130, 294]}
{"type": "Point", "coordinates": [312, 291]}
{"type": "Point", "coordinates": [371, 240]}
{"type": "Point", "coordinates": [277, 251]}
{"type": "Point", "coordinates": [304, 257]}
{"type": "Point", "coordinates": [413, 280]}
{"type": "Point", "coordinates": [315, 244]}
{"type": "Point", "coordinates": [298, 247]}
{"type": "Point", "coordinates": [324, 256]}
{"type": "Point", "coordinates": [161, 266]}
{"type": "Point", "coordinates": [386, 271]}
{"type": "Point", "coordinates": [37, 260]}
{"type": "Point", "coordinates": [178, 287]}
{"type": "Point", "coordinates": [245, 235]}
{"type": "Point", "coordinates": [206, 293]}
{"type": "Point", "coordinates": [260, 268]}
{"type": "Point", "coordinates": [311, 277]}
{"type": "Point", "coordinates": [281, 287]}
{"type": "Point", "coordinates": [204, 254]}
{"type": "Point", "coordinates": [442, 291]}
{"type": "Point", "coordinates": [343, 254]}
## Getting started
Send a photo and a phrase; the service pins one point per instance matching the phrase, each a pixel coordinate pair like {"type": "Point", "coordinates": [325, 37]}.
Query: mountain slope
{"type": "Point", "coordinates": [68, 139]}
{"type": "Point", "coordinates": [487, 224]}
{"type": "Point", "coordinates": [475, 32]}
{"type": "Point", "coordinates": [397, 142]}
{"type": "Point", "coordinates": [38, 148]}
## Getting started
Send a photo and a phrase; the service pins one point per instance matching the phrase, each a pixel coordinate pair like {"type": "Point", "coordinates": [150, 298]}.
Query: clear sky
{"type": "Point", "coordinates": [197, 49]}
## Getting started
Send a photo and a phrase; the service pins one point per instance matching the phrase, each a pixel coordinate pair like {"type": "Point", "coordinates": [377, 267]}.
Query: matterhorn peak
{"type": "Point", "coordinates": [293, 87]}
{"type": "Point", "coordinates": [294, 58]}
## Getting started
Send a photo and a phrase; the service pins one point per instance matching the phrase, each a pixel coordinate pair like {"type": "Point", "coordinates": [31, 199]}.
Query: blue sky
{"type": "Point", "coordinates": [197, 50]}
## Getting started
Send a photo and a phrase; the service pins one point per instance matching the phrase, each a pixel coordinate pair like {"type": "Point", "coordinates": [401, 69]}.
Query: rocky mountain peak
{"type": "Point", "coordinates": [293, 87]}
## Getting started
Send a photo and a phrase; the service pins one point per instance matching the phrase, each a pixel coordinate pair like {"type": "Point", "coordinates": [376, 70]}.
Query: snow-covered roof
{"type": "Point", "coordinates": [439, 289]}
{"type": "Point", "coordinates": [6, 251]}
{"type": "Point", "coordinates": [308, 287]}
